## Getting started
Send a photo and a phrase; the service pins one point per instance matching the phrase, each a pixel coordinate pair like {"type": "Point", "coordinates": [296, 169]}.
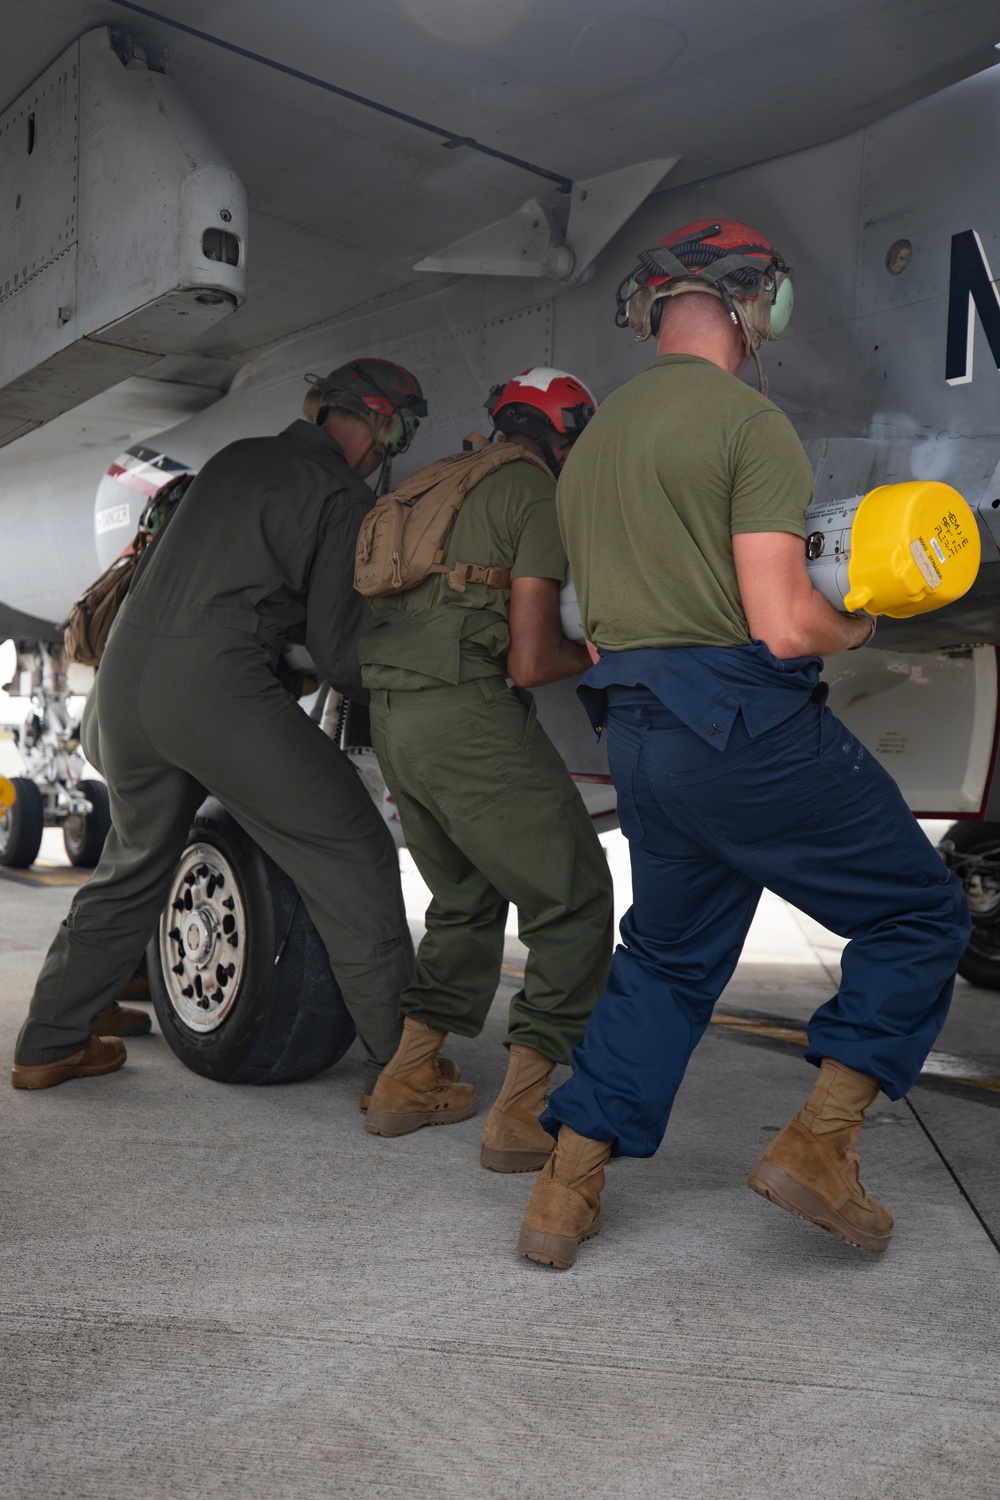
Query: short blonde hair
{"type": "Point", "coordinates": [321, 399]}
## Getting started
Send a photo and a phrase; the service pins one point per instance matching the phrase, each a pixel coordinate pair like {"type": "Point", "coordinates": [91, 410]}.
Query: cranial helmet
{"type": "Point", "coordinates": [724, 258]}
{"type": "Point", "coordinates": [538, 403]}
{"type": "Point", "coordinates": [388, 397]}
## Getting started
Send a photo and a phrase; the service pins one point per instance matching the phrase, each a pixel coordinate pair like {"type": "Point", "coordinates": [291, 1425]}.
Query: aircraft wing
{"type": "Point", "coordinates": [345, 198]}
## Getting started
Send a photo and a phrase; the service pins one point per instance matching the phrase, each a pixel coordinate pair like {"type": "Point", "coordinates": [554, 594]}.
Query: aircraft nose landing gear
{"type": "Point", "coordinates": [21, 825]}
{"type": "Point", "coordinates": [55, 791]}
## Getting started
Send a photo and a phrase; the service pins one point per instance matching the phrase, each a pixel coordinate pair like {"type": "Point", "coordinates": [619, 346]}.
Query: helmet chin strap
{"type": "Point", "coordinates": [549, 457]}
{"type": "Point", "coordinates": [751, 342]}
{"type": "Point", "coordinates": [383, 447]}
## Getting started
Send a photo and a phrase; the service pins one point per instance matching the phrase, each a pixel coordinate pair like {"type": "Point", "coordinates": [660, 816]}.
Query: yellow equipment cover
{"type": "Point", "coordinates": [914, 548]}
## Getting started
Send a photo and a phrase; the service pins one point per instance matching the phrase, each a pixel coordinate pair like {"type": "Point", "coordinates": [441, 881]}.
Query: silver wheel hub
{"type": "Point", "coordinates": [199, 936]}
{"type": "Point", "coordinates": [203, 938]}
{"type": "Point", "coordinates": [982, 894]}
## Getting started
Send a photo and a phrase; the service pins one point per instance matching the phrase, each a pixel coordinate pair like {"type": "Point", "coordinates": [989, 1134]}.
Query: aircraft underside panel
{"type": "Point", "coordinates": [930, 718]}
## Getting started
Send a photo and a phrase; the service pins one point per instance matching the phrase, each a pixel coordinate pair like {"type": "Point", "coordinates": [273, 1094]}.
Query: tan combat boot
{"type": "Point", "coordinates": [513, 1140]}
{"type": "Point", "coordinates": [417, 1088]}
{"type": "Point", "coordinates": [446, 1067]}
{"type": "Point", "coordinates": [565, 1207]}
{"type": "Point", "coordinates": [122, 1020]}
{"type": "Point", "coordinates": [811, 1168]}
{"type": "Point", "coordinates": [100, 1055]}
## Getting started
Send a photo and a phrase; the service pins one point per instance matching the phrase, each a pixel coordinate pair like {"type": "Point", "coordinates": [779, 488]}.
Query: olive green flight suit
{"type": "Point", "coordinates": [259, 556]}
{"type": "Point", "coordinates": [490, 813]}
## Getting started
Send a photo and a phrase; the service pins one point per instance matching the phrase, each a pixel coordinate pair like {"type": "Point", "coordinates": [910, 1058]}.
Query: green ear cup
{"type": "Point", "coordinates": [781, 307]}
{"type": "Point", "coordinates": [397, 432]}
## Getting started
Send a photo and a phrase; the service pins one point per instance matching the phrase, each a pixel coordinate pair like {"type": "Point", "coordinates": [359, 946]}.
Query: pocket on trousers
{"type": "Point", "coordinates": [527, 702]}
{"type": "Point", "coordinates": [461, 769]}
{"type": "Point", "coordinates": [380, 744]}
{"type": "Point", "coordinates": [624, 757]}
{"type": "Point", "coordinates": [749, 799]}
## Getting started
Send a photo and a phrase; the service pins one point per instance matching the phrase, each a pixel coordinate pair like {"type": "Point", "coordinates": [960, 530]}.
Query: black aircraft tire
{"type": "Point", "coordinates": [286, 1019]}
{"type": "Point", "coordinates": [84, 835]}
{"type": "Point", "coordinates": [980, 963]}
{"type": "Point", "coordinates": [21, 826]}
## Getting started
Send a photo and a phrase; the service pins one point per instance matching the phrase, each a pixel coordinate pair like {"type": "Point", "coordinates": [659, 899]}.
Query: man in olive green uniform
{"type": "Point", "coordinates": [259, 555]}
{"type": "Point", "coordinates": [490, 813]}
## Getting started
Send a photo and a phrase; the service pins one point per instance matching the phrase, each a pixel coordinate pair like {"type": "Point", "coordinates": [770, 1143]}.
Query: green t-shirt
{"type": "Point", "coordinates": [672, 466]}
{"type": "Point", "coordinates": [431, 634]}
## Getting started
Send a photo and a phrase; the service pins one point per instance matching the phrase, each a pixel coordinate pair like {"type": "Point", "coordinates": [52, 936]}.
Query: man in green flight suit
{"type": "Point", "coordinates": [490, 813]}
{"type": "Point", "coordinates": [258, 556]}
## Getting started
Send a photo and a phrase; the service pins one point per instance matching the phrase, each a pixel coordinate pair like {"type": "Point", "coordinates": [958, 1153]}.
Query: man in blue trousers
{"type": "Point", "coordinates": [682, 507]}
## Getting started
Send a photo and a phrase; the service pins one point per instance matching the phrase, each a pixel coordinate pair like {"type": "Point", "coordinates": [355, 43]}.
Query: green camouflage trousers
{"type": "Point", "coordinates": [492, 817]}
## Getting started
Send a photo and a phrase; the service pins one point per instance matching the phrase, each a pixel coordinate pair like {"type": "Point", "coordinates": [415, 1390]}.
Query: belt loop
{"type": "Point", "coordinates": [486, 690]}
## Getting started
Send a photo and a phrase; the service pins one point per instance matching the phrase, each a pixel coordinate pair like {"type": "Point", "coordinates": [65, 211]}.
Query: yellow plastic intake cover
{"type": "Point", "coordinates": [914, 547]}
{"type": "Point", "coordinates": [8, 796]}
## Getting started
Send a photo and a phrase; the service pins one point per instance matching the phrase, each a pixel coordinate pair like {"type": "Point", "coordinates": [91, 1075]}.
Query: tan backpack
{"type": "Point", "coordinates": [86, 630]}
{"type": "Point", "coordinates": [402, 539]}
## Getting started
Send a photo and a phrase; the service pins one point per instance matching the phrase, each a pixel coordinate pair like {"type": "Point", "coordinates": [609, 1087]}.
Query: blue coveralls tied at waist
{"type": "Point", "coordinates": [733, 776]}
{"type": "Point", "coordinates": [709, 687]}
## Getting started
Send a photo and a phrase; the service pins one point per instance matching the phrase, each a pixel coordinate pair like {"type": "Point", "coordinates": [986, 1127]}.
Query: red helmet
{"type": "Point", "coordinates": [388, 393]}
{"type": "Point", "coordinates": [544, 399]}
{"type": "Point", "coordinates": [731, 259]}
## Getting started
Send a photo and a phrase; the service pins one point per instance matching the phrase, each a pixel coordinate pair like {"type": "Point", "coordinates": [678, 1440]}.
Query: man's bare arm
{"type": "Point", "coordinates": [539, 652]}
{"type": "Point", "coordinates": [782, 608]}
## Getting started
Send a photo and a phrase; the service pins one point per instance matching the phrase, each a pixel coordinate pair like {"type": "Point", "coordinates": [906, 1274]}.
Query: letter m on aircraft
{"type": "Point", "coordinates": [972, 290]}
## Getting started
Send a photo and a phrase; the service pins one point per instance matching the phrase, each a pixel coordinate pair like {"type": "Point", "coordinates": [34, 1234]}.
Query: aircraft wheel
{"type": "Point", "coordinates": [973, 851]}
{"type": "Point", "coordinates": [239, 976]}
{"type": "Point", "coordinates": [21, 826]}
{"type": "Point", "coordinates": [84, 833]}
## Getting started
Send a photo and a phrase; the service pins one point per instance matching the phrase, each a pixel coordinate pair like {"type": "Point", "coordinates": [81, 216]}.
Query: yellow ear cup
{"type": "Point", "coordinates": [914, 548]}
{"type": "Point", "coordinates": [8, 795]}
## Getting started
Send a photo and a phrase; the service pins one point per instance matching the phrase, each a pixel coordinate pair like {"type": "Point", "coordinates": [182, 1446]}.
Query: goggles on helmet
{"type": "Point", "coordinates": [387, 394]}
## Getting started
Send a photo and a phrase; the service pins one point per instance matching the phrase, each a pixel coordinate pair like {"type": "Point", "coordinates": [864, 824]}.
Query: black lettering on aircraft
{"type": "Point", "coordinates": [972, 291]}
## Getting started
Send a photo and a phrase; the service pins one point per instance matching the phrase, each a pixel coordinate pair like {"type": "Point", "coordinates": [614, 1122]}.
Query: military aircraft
{"type": "Point", "coordinates": [197, 215]}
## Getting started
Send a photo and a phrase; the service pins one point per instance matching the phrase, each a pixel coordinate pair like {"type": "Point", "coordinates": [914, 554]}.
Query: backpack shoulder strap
{"type": "Point", "coordinates": [485, 459]}
{"type": "Point", "coordinates": [463, 470]}
{"type": "Point", "coordinates": [403, 537]}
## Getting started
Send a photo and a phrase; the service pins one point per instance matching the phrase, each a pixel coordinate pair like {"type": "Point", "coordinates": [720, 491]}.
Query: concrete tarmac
{"type": "Point", "coordinates": [210, 1291]}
